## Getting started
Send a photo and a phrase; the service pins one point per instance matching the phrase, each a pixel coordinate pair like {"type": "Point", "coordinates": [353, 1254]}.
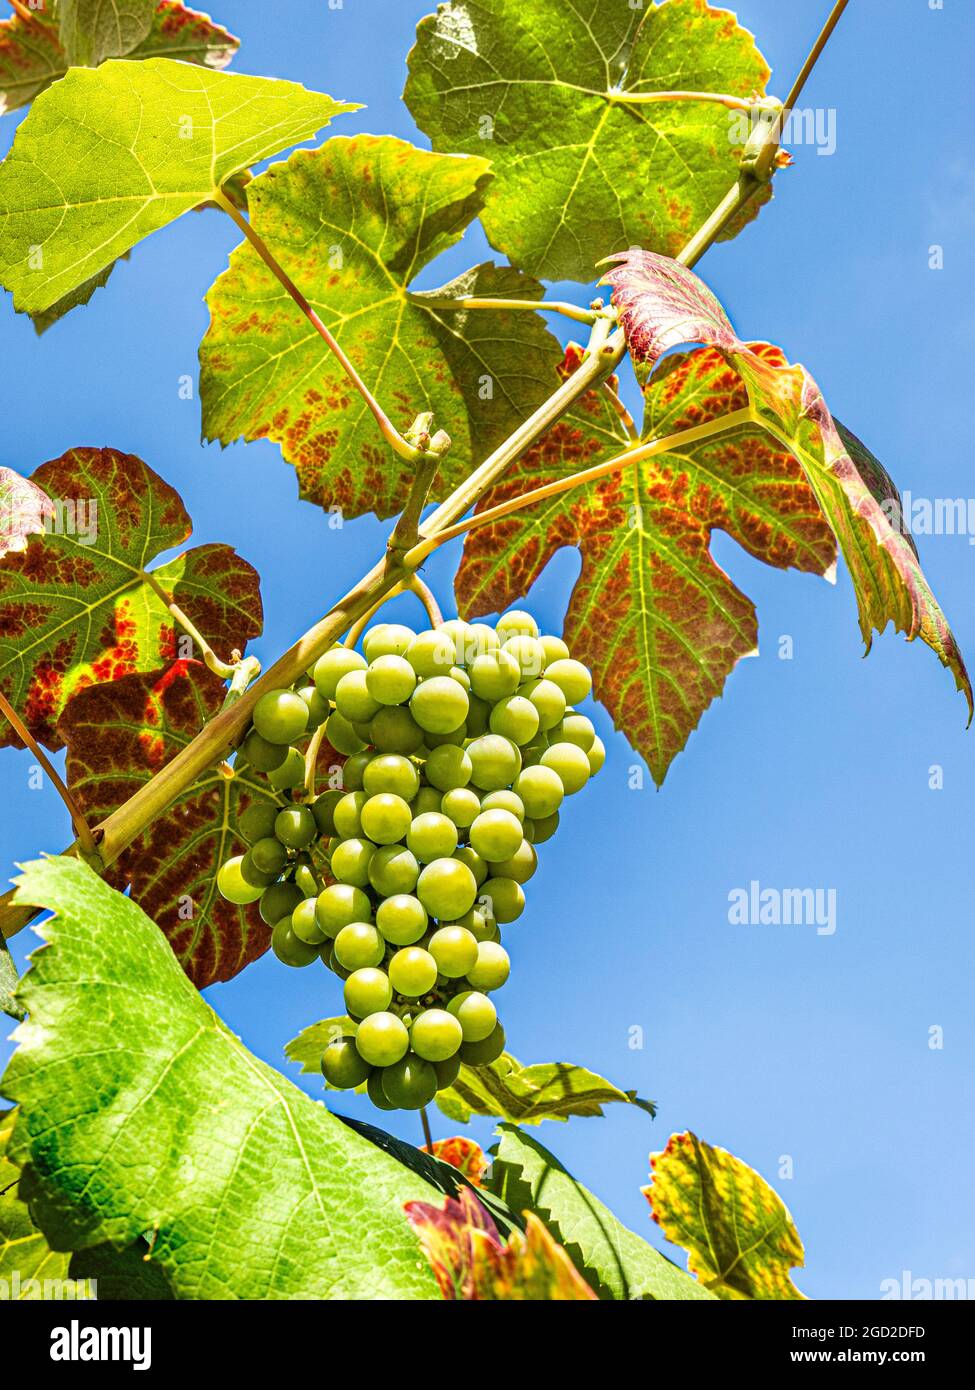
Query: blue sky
{"type": "Point", "coordinates": [771, 1041]}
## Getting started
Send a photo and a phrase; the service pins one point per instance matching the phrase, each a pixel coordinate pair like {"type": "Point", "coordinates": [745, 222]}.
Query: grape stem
{"type": "Point", "coordinates": [629, 424]}
{"type": "Point", "coordinates": [427, 1136]}
{"type": "Point", "coordinates": [425, 594]}
{"type": "Point", "coordinates": [86, 840]}
{"type": "Point", "coordinates": [538, 306]}
{"type": "Point", "coordinates": [311, 761]}
{"type": "Point", "coordinates": [357, 629]}
{"type": "Point", "coordinates": [225, 670]}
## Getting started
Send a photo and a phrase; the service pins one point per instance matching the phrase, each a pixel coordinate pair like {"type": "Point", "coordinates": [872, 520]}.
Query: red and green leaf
{"type": "Point", "coordinates": [75, 606]}
{"type": "Point", "coordinates": [740, 1238]}
{"type": "Point", "coordinates": [464, 1155]}
{"type": "Point", "coordinates": [118, 736]}
{"type": "Point", "coordinates": [24, 511]}
{"type": "Point", "coordinates": [472, 1264]}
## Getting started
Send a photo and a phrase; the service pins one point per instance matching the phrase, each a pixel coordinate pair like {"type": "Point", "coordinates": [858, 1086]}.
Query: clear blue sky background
{"type": "Point", "coordinates": [769, 1041]}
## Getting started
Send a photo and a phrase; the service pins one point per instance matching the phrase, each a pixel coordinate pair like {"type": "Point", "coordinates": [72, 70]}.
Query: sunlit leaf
{"type": "Point", "coordinates": [24, 1252]}
{"type": "Point", "coordinates": [464, 1155]}
{"type": "Point", "coordinates": [545, 1091]}
{"type": "Point", "coordinates": [93, 30]}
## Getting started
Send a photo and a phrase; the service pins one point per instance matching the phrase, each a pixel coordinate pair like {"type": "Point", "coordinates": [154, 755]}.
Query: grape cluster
{"type": "Point", "coordinates": [460, 743]}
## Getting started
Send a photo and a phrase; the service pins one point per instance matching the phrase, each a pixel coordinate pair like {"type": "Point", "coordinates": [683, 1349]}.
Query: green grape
{"type": "Point", "coordinates": [491, 968]}
{"type": "Point", "coordinates": [454, 949]}
{"type": "Point", "coordinates": [250, 873]}
{"type": "Point", "coordinates": [323, 810]}
{"type": "Point", "coordinates": [318, 708]}
{"type": "Point", "coordinates": [288, 948]}
{"type": "Point", "coordinates": [427, 799]}
{"type": "Point", "coordinates": [447, 1071]}
{"type": "Point", "coordinates": [541, 790]}
{"type": "Point", "coordinates": [382, 1039]}
{"type": "Point", "coordinates": [278, 901]}
{"type": "Point", "coordinates": [280, 716]}
{"type": "Point", "coordinates": [402, 919]}
{"type": "Point", "coordinates": [394, 730]}
{"type": "Point", "coordinates": [555, 649]}
{"type": "Point", "coordinates": [456, 630]}
{"type": "Point", "coordinates": [330, 668]}
{"type": "Point", "coordinates": [352, 698]}
{"type": "Point", "coordinates": [328, 958]}
{"type": "Point", "coordinates": [496, 835]}
{"type": "Point", "coordinates": [474, 862]}
{"type": "Point", "coordinates": [412, 972]}
{"type": "Point", "coordinates": [374, 1089]}
{"type": "Point", "coordinates": [516, 718]}
{"type": "Point", "coordinates": [353, 770]}
{"type": "Point", "coordinates": [393, 869]}
{"type": "Point", "coordinates": [528, 652]}
{"type": "Point", "coordinates": [569, 763]}
{"type": "Point", "coordinates": [496, 762]}
{"type": "Point", "coordinates": [290, 774]}
{"type": "Point", "coordinates": [503, 898]}
{"type": "Point", "coordinates": [387, 639]}
{"type": "Point", "coordinates": [479, 639]}
{"type": "Point", "coordinates": [391, 772]}
{"type": "Point", "coordinates": [520, 866]}
{"type": "Point", "coordinates": [363, 730]}
{"type": "Point", "coordinates": [461, 806]}
{"type": "Point", "coordinates": [232, 885]}
{"type": "Point", "coordinates": [431, 653]}
{"type": "Point", "coordinates": [342, 736]}
{"type": "Point", "coordinates": [475, 1013]}
{"type": "Point", "coordinates": [446, 888]}
{"type": "Point", "coordinates": [548, 700]}
{"type": "Point", "coordinates": [391, 680]}
{"type": "Point", "coordinates": [338, 905]}
{"type": "Point", "coordinates": [342, 1066]}
{"type": "Point", "coordinates": [596, 756]}
{"type": "Point", "coordinates": [350, 862]}
{"type": "Point", "coordinates": [448, 768]}
{"type": "Point", "coordinates": [455, 739]}
{"type": "Point", "coordinates": [347, 814]}
{"type": "Point", "coordinates": [269, 855]}
{"type": "Point", "coordinates": [257, 821]}
{"type": "Point", "coordinates": [435, 1035]}
{"type": "Point", "coordinates": [410, 1084]}
{"type": "Point", "coordinates": [306, 881]}
{"type": "Point", "coordinates": [504, 801]}
{"type": "Point", "coordinates": [295, 827]}
{"type": "Point", "coordinates": [542, 828]}
{"type": "Point", "coordinates": [458, 674]}
{"type": "Point", "coordinates": [263, 756]}
{"type": "Point", "coordinates": [478, 715]}
{"type": "Point", "coordinates": [386, 818]}
{"type": "Point", "coordinates": [577, 729]}
{"type": "Point", "coordinates": [367, 991]}
{"type": "Point", "coordinates": [494, 675]}
{"type": "Point", "coordinates": [571, 677]}
{"type": "Point", "coordinates": [432, 836]}
{"type": "Point", "coordinates": [439, 705]}
{"type": "Point", "coordinates": [515, 622]}
{"type": "Point", "coordinates": [359, 946]}
{"type": "Point", "coordinates": [481, 1054]}
{"type": "Point", "coordinates": [304, 923]}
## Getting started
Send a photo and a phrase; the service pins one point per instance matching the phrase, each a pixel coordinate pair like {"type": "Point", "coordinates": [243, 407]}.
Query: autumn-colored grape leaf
{"type": "Point", "coordinates": [463, 1154]}
{"type": "Point", "coordinates": [141, 1115]}
{"type": "Point", "coordinates": [24, 511]}
{"type": "Point", "coordinates": [527, 1095]}
{"type": "Point", "coordinates": [118, 736]}
{"type": "Point", "coordinates": [662, 304]}
{"type": "Point", "coordinates": [618, 1264]}
{"type": "Point", "coordinates": [740, 1238]}
{"type": "Point", "coordinates": [108, 155]}
{"type": "Point", "coordinates": [471, 1263]}
{"type": "Point", "coordinates": [671, 625]}
{"type": "Point", "coordinates": [93, 30]}
{"type": "Point", "coordinates": [75, 605]}
{"type": "Point", "coordinates": [353, 223]}
{"type": "Point", "coordinates": [578, 105]}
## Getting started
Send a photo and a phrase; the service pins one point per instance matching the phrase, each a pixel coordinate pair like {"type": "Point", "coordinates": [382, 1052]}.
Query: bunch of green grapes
{"type": "Point", "coordinates": [460, 745]}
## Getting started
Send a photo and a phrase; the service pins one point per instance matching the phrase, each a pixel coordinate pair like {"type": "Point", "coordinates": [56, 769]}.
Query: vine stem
{"type": "Point", "coordinates": [357, 628]}
{"type": "Point", "coordinates": [544, 306]}
{"type": "Point", "coordinates": [588, 475]}
{"type": "Point", "coordinates": [311, 761]}
{"type": "Point", "coordinates": [425, 594]}
{"type": "Point", "coordinates": [86, 840]}
{"type": "Point", "coordinates": [425, 1121]}
{"type": "Point", "coordinates": [733, 103]}
{"type": "Point", "coordinates": [225, 670]}
{"type": "Point", "coordinates": [21, 10]}
{"type": "Point", "coordinates": [390, 433]}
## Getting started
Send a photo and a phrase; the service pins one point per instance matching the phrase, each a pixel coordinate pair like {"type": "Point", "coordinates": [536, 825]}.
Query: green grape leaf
{"type": "Point", "coordinates": [9, 980]}
{"type": "Point", "coordinates": [352, 223]}
{"type": "Point", "coordinates": [77, 608]}
{"type": "Point", "coordinates": [661, 304]}
{"type": "Point", "coordinates": [671, 625]}
{"type": "Point", "coordinates": [545, 1091]}
{"type": "Point", "coordinates": [471, 1264]}
{"type": "Point", "coordinates": [307, 1048]}
{"type": "Point", "coordinates": [577, 105]}
{"type": "Point", "coordinates": [118, 736]}
{"type": "Point", "coordinates": [127, 1275]}
{"type": "Point", "coordinates": [167, 1127]}
{"type": "Point", "coordinates": [24, 1253]}
{"type": "Point", "coordinates": [74, 299]}
{"type": "Point", "coordinates": [108, 155]}
{"type": "Point", "coordinates": [93, 30]}
{"type": "Point", "coordinates": [618, 1264]}
{"type": "Point", "coordinates": [740, 1238]}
